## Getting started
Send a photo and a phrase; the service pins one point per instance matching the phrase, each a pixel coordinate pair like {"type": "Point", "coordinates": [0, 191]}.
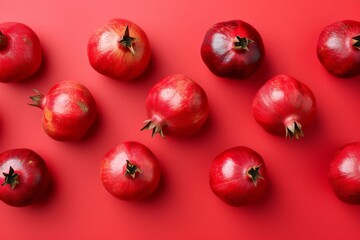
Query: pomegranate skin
{"type": "Point", "coordinates": [338, 48]}
{"type": "Point", "coordinates": [68, 110]}
{"type": "Point", "coordinates": [344, 173]}
{"type": "Point", "coordinates": [232, 49]}
{"type": "Point", "coordinates": [177, 106]}
{"type": "Point", "coordinates": [283, 106]}
{"type": "Point", "coordinates": [20, 52]}
{"type": "Point", "coordinates": [231, 180]}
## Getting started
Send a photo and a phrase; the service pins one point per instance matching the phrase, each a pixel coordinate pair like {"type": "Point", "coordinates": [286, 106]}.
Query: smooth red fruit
{"type": "Point", "coordinates": [24, 177]}
{"type": "Point", "coordinates": [20, 52]}
{"type": "Point", "coordinates": [232, 49]}
{"type": "Point", "coordinates": [130, 171]}
{"type": "Point", "coordinates": [119, 49]}
{"type": "Point", "coordinates": [238, 176]}
{"type": "Point", "coordinates": [338, 48]}
{"type": "Point", "coordinates": [68, 110]}
{"type": "Point", "coordinates": [283, 106]}
{"type": "Point", "coordinates": [176, 105]}
{"type": "Point", "coordinates": [344, 173]}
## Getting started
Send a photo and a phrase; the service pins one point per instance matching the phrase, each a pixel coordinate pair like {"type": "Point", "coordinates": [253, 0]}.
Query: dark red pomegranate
{"type": "Point", "coordinates": [177, 106]}
{"type": "Point", "coordinates": [238, 176]}
{"type": "Point", "coordinates": [20, 52]}
{"type": "Point", "coordinates": [130, 171]}
{"type": "Point", "coordinates": [68, 110]}
{"type": "Point", "coordinates": [338, 48]}
{"type": "Point", "coordinates": [283, 106]}
{"type": "Point", "coordinates": [344, 173]}
{"type": "Point", "coordinates": [232, 49]}
{"type": "Point", "coordinates": [24, 177]}
{"type": "Point", "coordinates": [119, 49]}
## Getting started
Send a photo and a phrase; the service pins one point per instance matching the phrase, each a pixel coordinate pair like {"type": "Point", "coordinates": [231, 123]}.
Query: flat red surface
{"type": "Point", "coordinates": [299, 203]}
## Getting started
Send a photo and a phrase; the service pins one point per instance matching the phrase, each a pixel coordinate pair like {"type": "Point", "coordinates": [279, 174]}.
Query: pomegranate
{"type": "Point", "coordinates": [119, 49]}
{"type": "Point", "coordinates": [24, 177]}
{"type": "Point", "coordinates": [20, 52]}
{"type": "Point", "coordinates": [130, 171]}
{"type": "Point", "coordinates": [232, 49]}
{"type": "Point", "coordinates": [338, 48]}
{"type": "Point", "coordinates": [176, 105]}
{"type": "Point", "coordinates": [283, 106]}
{"type": "Point", "coordinates": [68, 110]}
{"type": "Point", "coordinates": [238, 176]}
{"type": "Point", "coordinates": [344, 173]}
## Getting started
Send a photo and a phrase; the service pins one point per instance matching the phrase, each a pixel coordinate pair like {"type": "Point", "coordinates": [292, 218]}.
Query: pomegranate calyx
{"type": "Point", "coordinates": [3, 41]}
{"type": "Point", "coordinates": [294, 130]}
{"type": "Point", "coordinates": [11, 178]}
{"type": "Point", "coordinates": [127, 40]}
{"type": "Point", "coordinates": [242, 43]}
{"type": "Point", "coordinates": [154, 126]}
{"type": "Point", "coordinates": [254, 174]}
{"type": "Point", "coordinates": [131, 169]}
{"type": "Point", "coordinates": [356, 42]}
{"type": "Point", "coordinates": [37, 99]}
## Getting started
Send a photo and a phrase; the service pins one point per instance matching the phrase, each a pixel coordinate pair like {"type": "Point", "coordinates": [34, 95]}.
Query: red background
{"type": "Point", "coordinates": [299, 203]}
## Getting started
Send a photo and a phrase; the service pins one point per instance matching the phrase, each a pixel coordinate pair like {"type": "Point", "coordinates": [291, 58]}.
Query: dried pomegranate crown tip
{"type": "Point", "coordinates": [132, 169]}
{"type": "Point", "coordinates": [254, 174]}
{"type": "Point", "coordinates": [155, 127]}
{"type": "Point", "coordinates": [127, 40]}
{"type": "Point", "coordinates": [11, 178]}
{"type": "Point", "coordinates": [294, 130]}
{"type": "Point", "coordinates": [36, 99]}
{"type": "Point", "coordinates": [356, 42]}
{"type": "Point", "coordinates": [242, 43]}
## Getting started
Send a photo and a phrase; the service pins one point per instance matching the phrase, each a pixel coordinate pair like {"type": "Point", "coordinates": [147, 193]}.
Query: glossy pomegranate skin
{"type": "Point", "coordinates": [230, 179]}
{"type": "Point", "coordinates": [68, 110]}
{"type": "Point", "coordinates": [338, 48]}
{"type": "Point", "coordinates": [224, 58]}
{"type": "Point", "coordinates": [111, 58]}
{"type": "Point", "coordinates": [283, 102]}
{"type": "Point", "coordinates": [113, 171]}
{"type": "Point", "coordinates": [32, 180]}
{"type": "Point", "coordinates": [20, 52]}
{"type": "Point", "coordinates": [176, 106]}
{"type": "Point", "coordinates": [344, 173]}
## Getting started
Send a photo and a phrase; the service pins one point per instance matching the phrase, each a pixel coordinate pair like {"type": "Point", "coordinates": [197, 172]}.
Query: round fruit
{"type": "Point", "coordinates": [119, 49]}
{"type": "Point", "coordinates": [238, 176]}
{"type": "Point", "coordinates": [283, 106]}
{"type": "Point", "coordinates": [232, 49]}
{"type": "Point", "coordinates": [68, 110]}
{"type": "Point", "coordinates": [130, 171]}
{"type": "Point", "coordinates": [176, 105]}
{"type": "Point", "coordinates": [344, 173]}
{"type": "Point", "coordinates": [24, 177]}
{"type": "Point", "coordinates": [338, 48]}
{"type": "Point", "coordinates": [20, 52]}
